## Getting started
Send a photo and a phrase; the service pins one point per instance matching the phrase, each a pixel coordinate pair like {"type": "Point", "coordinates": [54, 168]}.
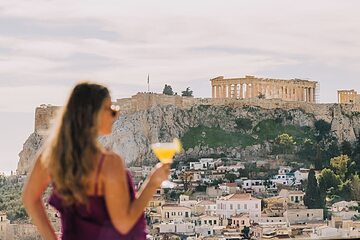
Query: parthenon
{"type": "Point", "coordinates": [253, 87]}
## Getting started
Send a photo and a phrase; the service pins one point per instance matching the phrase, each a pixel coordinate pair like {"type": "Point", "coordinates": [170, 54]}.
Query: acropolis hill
{"type": "Point", "coordinates": [146, 101]}
{"type": "Point", "coordinates": [150, 117]}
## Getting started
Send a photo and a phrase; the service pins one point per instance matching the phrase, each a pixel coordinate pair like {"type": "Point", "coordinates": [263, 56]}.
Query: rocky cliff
{"type": "Point", "coordinates": [207, 130]}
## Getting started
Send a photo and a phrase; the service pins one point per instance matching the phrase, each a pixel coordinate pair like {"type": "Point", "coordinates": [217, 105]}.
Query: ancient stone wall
{"type": "Point", "coordinates": [348, 96]}
{"type": "Point", "coordinates": [144, 101]}
{"type": "Point", "coordinates": [44, 115]}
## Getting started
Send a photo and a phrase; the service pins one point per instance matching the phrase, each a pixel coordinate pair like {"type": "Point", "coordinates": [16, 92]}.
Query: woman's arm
{"type": "Point", "coordinates": [32, 198]}
{"type": "Point", "coordinates": [123, 213]}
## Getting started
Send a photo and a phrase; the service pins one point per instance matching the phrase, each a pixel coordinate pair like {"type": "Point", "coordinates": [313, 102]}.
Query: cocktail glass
{"type": "Point", "coordinates": [165, 153]}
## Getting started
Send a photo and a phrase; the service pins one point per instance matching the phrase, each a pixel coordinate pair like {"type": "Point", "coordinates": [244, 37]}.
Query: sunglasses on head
{"type": "Point", "coordinates": [114, 109]}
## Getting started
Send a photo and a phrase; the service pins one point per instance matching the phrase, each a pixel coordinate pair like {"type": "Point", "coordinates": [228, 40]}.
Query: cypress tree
{"type": "Point", "coordinates": [312, 198]}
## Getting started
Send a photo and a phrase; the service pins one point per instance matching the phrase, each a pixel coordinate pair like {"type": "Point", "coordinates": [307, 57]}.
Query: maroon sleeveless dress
{"type": "Point", "coordinates": [93, 222]}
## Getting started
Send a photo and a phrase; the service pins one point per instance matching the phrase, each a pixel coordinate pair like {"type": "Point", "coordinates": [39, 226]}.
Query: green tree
{"type": "Point", "coordinates": [346, 148]}
{"type": "Point", "coordinates": [340, 165]}
{"type": "Point", "coordinates": [356, 155]}
{"type": "Point", "coordinates": [168, 90]}
{"type": "Point", "coordinates": [355, 188]}
{"type": "Point", "coordinates": [187, 93]}
{"type": "Point", "coordinates": [323, 129]}
{"type": "Point", "coordinates": [307, 150]}
{"type": "Point", "coordinates": [346, 190]}
{"type": "Point", "coordinates": [285, 143]}
{"type": "Point", "coordinates": [328, 180]}
{"type": "Point", "coordinates": [332, 151]}
{"type": "Point", "coordinates": [313, 198]}
{"type": "Point", "coordinates": [231, 177]}
{"type": "Point", "coordinates": [243, 123]}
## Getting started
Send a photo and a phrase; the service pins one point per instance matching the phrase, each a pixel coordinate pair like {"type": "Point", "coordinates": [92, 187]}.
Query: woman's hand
{"type": "Point", "coordinates": [159, 174]}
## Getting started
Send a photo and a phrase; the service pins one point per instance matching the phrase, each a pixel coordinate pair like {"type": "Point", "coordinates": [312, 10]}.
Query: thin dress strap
{"type": "Point", "coordinates": [98, 172]}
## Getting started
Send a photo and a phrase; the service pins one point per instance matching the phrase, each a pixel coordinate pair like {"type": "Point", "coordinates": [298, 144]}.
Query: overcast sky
{"type": "Point", "coordinates": [47, 46]}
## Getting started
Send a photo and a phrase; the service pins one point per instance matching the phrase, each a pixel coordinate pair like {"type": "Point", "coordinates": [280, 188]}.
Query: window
{"type": "Point", "coordinates": [231, 206]}
{"type": "Point", "coordinates": [245, 206]}
{"type": "Point", "coordinates": [214, 222]}
{"type": "Point", "coordinates": [242, 222]}
{"type": "Point", "coordinates": [256, 205]}
{"type": "Point", "coordinates": [186, 214]}
{"type": "Point", "coordinates": [308, 215]}
{"type": "Point", "coordinates": [209, 232]}
{"type": "Point", "coordinates": [205, 221]}
{"type": "Point", "coordinates": [238, 206]}
{"type": "Point", "coordinates": [210, 222]}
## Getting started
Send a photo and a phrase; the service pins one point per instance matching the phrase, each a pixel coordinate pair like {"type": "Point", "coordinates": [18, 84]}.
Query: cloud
{"type": "Point", "coordinates": [57, 43]}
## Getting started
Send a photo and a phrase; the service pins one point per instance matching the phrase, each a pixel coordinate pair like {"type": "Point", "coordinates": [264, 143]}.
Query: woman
{"type": "Point", "coordinates": [92, 189]}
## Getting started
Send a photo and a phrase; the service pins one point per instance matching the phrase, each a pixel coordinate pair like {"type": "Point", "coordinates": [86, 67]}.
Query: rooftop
{"type": "Point", "coordinates": [239, 196]}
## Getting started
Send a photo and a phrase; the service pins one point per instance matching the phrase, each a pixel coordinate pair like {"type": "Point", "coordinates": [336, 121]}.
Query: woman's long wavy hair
{"type": "Point", "coordinates": [70, 151]}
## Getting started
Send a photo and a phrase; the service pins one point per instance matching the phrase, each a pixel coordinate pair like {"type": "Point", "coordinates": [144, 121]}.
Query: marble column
{"type": "Point", "coordinates": [241, 95]}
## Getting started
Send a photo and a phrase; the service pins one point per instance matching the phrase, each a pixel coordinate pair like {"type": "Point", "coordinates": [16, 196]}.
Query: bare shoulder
{"type": "Point", "coordinates": [113, 163]}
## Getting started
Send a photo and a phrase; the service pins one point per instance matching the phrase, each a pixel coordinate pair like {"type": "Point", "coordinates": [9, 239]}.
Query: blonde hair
{"type": "Point", "coordinates": [73, 145]}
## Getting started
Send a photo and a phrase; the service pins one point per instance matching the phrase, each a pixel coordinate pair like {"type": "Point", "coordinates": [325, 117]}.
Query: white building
{"type": "Point", "coordinates": [203, 164]}
{"type": "Point", "coordinates": [284, 170]}
{"type": "Point", "coordinates": [206, 207]}
{"type": "Point", "coordinates": [257, 186]}
{"type": "Point", "coordinates": [177, 227]}
{"type": "Point", "coordinates": [229, 188]}
{"type": "Point", "coordinates": [285, 179]}
{"type": "Point", "coordinates": [239, 203]}
{"type": "Point", "coordinates": [175, 213]}
{"type": "Point", "coordinates": [294, 197]}
{"type": "Point", "coordinates": [300, 216]}
{"type": "Point", "coordinates": [185, 201]}
{"type": "Point", "coordinates": [301, 175]}
{"type": "Point", "coordinates": [240, 220]}
{"type": "Point", "coordinates": [343, 205]}
{"type": "Point", "coordinates": [345, 210]}
{"type": "Point", "coordinates": [206, 220]}
{"type": "Point", "coordinates": [326, 232]}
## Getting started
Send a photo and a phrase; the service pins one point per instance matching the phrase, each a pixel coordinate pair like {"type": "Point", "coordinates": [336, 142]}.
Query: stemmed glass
{"type": "Point", "coordinates": [165, 153]}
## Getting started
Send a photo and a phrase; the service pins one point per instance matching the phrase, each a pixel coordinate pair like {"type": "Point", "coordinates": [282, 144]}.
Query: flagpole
{"type": "Point", "coordinates": [148, 82]}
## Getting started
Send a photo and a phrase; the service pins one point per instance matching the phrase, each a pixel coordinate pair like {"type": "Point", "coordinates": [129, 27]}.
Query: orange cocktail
{"type": "Point", "coordinates": [165, 151]}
